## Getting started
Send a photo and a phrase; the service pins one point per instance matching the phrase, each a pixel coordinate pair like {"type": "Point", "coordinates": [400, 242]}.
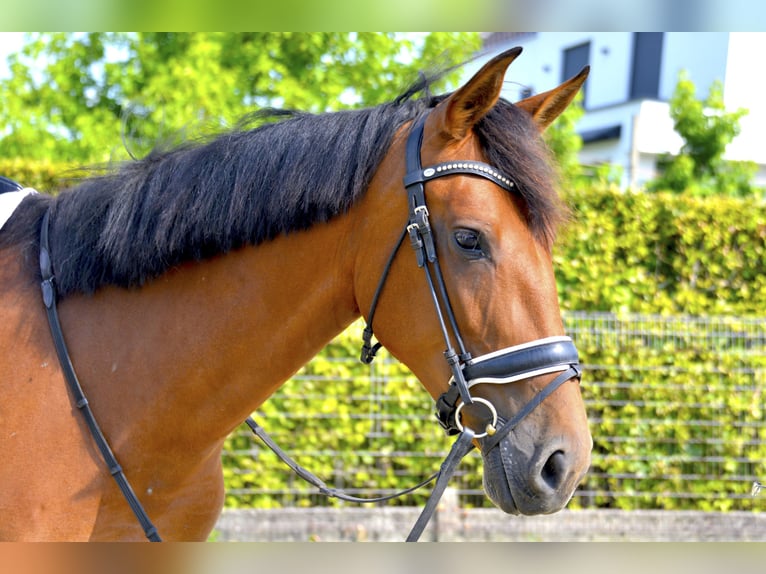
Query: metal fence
{"type": "Point", "coordinates": [676, 409]}
{"type": "Point", "coordinates": [675, 405]}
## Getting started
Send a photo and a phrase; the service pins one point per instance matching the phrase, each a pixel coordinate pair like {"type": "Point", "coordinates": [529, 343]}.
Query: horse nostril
{"type": "Point", "coordinates": [555, 470]}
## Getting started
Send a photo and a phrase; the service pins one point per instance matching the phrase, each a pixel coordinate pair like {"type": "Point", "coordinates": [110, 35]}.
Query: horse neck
{"type": "Point", "coordinates": [213, 339]}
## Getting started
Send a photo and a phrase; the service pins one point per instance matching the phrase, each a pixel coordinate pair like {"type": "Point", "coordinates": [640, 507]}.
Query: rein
{"type": "Point", "coordinates": [48, 286]}
{"type": "Point", "coordinates": [543, 356]}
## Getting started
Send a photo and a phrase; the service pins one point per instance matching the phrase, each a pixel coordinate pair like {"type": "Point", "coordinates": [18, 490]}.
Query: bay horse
{"type": "Point", "coordinates": [192, 283]}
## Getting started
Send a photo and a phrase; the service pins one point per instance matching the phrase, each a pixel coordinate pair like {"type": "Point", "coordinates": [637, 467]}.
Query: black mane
{"type": "Point", "coordinates": [248, 186]}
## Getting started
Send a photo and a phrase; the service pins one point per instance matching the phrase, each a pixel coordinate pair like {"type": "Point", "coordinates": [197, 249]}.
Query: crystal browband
{"type": "Point", "coordinates": [462, 167]}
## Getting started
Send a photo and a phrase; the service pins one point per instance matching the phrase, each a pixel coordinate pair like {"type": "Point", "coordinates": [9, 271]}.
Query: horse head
{"type": "Point", "coordinates": [484, 232]}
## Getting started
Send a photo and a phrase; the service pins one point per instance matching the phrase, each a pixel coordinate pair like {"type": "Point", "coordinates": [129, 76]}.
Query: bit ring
{"type": "Point", "coordinates": [490, 428]}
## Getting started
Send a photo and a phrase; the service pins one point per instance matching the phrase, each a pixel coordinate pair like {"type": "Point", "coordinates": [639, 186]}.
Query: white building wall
{"type": "Point", "coordinates": [745, 87]}
{"type": "Point", "coordinates": [707, 56]}
{"type": "Point", "coordinates": [610, 60]}
{"type": "Point", "coordinates": [702, 54]}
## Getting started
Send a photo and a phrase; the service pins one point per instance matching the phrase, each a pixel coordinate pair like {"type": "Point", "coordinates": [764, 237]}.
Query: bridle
{"type": "Point", "coordinates": [536, 358]}
{"type": "Point", "coordinates": [549, 355]}
{"type": "Point", "coordinates": [533, 359]}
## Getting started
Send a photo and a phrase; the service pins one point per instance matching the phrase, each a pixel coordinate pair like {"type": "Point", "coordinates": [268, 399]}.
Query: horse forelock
{"type": "Point", "coordinates": [512, 142]}
{"type": "Point", "coordinates": [249, 185]}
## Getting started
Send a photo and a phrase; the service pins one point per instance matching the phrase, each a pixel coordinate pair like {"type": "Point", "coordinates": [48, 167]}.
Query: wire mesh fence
{"type": "Point", "coordinates": [675, 406]}
{"type": "Point", "coordinates": [676, 409]}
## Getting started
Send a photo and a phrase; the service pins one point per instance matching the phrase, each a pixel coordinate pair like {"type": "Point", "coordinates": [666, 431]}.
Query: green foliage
{"type": "Point", "coordinates": [42, 175]}
{"type": "Point", "coordinates": [564, 141]}
{"type": "Point", "coordinates": [663, 253]}
{"type": "Point", "coordinates": [72, 97]}
{"type": "Point", "coordinates": [707, 129]}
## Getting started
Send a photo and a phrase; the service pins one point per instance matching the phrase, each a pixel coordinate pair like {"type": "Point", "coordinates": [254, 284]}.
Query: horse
{"type": "Point", "coordinates": [192, 283]}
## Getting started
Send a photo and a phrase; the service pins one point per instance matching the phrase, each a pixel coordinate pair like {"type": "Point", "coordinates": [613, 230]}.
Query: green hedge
{"type": "Point", "coordinates": [44, 176]}
{"type": "Point", "coordinates": [689, 401]}
{"type": "Point", "coordinates": [663, 253]}
{"type": "Point", "coordinates": [684, 426]}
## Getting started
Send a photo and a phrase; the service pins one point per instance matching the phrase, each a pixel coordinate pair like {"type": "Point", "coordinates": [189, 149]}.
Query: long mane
{"type": "Point", "coordinates": [247, 186]}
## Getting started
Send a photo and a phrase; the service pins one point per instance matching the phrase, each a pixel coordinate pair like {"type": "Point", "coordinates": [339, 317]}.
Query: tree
{"type": "Point", "coordinates": [71, 96]}
{"type": "Point", "coordinates": [707, 129]}
{"type": "Point", "coordinates": [564, 141]}
{"type": "Point", "coordinates": [565, 144]}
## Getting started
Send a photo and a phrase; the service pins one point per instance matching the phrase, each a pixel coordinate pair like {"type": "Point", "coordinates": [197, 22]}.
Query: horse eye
{"type": "Point", "coordinates": [469, 240]}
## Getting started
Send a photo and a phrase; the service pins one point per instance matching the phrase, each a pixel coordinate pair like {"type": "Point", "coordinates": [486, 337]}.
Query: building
{"type": "Point", "coordinates": [633, 75]}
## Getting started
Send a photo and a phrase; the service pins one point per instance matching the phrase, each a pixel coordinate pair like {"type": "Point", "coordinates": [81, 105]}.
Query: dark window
{"type": "Point", "coordinates": [575, 59]}
{"type": "Point", "coordinates": [647, 60]}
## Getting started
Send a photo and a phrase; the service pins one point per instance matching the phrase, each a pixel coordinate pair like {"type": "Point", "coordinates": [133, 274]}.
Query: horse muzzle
{"type": "Point", "coordinates": [527, 479]}
{"type": "Point", "coordinates": [531, 471]}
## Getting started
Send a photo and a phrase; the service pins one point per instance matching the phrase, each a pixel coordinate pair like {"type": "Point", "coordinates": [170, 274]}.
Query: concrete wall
{"type": "Point", "coordinates": [391, 524]}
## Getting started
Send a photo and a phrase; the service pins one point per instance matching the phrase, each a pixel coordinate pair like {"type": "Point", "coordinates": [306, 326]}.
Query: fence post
{"type": "Point", "coordinates": [447, 518]}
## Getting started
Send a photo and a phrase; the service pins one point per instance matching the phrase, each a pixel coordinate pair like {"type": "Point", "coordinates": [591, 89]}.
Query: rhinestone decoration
{"type": "Point", "coordinates": [467, 167]}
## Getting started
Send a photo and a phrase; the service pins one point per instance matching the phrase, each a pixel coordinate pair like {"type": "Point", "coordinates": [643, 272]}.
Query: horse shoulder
{"type": "Point", "coordinates": [49, 477]}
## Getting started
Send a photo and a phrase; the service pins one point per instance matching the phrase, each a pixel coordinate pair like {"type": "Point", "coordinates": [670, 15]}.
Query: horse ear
{"type": "Point", "coordinates": [546, 107]}
{"type": "Point", "coordinates": [467, 105]}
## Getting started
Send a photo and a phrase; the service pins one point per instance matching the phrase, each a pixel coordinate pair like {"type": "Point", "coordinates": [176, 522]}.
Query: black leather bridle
{"type": "Point", "coordinates": [543, 356]}
{"type": "Point", "coordinates": [536, 358]}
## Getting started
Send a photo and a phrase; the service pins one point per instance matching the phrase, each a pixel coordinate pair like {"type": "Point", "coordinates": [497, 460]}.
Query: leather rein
{"type": "Point", "coordinates": [543, 356]}
{"type": "Point", "coordinates": [50, 296]}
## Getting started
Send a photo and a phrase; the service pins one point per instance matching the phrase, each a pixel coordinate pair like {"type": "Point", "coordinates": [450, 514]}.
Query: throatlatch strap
{"type": "Point", "coordinates": [49, 299]}
{"type": "Point", "coordinates": [369, 350]}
